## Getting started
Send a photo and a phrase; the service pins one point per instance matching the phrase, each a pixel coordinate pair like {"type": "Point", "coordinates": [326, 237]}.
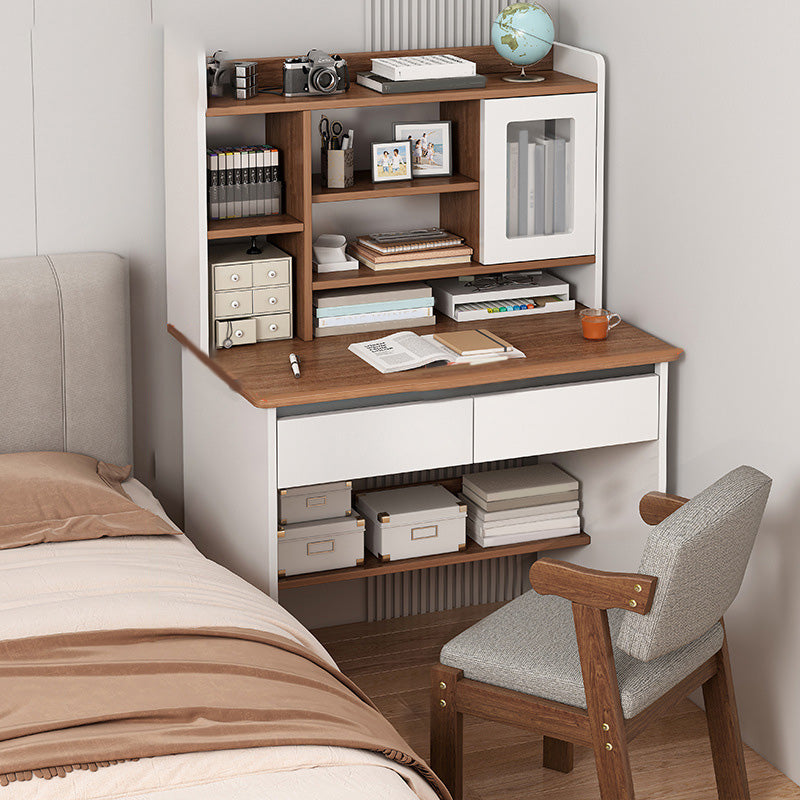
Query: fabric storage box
{"type": "Point", "coordinates": [320, 501]}
{"type": "Point", "coordinates": [320, 545]}
{"type": "Point", "coordinates": [413, 521]}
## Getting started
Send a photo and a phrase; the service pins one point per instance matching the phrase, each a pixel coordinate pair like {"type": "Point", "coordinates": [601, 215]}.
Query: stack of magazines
{"type": "Point", "coordinates": [372, 308]}
{"type": "Point", "coordinates": [427, 247]}
{"type": "Point", "coordinates": [522, 504]}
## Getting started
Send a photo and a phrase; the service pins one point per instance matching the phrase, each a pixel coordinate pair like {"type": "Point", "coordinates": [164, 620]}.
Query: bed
{"type": "Point", "coordinates": [67, 389]}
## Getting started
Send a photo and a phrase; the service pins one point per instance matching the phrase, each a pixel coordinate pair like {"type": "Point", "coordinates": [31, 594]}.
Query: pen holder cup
{"type": "Point", "coordinates": [337, 168]}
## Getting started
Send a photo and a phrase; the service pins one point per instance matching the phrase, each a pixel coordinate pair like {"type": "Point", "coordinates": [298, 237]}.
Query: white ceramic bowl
{"type": "Point", "coordinates": [329, 248]}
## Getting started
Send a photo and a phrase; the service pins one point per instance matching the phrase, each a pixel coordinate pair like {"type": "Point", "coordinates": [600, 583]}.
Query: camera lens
{"type": "Point", "coordinates": [324, 80]}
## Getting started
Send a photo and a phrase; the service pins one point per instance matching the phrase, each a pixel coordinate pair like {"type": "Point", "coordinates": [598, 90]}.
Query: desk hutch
{"type": "Point", "coordinates": [599, 409]}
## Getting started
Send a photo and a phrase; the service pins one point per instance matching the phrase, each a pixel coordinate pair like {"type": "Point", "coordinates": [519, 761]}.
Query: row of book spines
{"type": "Point", "coordinates": [539, 174]}
{"type": "Point", "coordinates": [246, 200]}
{"type": "Point", "coordinates": [241, 165]}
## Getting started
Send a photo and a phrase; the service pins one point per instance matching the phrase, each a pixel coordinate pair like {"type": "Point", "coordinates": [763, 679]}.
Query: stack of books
{"type": "Point", "coordinates": [243, 182]}
{"type": "Point", "coordinates": [436, 72]}
{"type": "Point", "coordinates": [539, 189]}
{"type": "Point", "coordinates": [430, 247]}
{"type": "Point", "coordinates": [522, 504]}
{"type": "Point", "coordinates": [372, 308]}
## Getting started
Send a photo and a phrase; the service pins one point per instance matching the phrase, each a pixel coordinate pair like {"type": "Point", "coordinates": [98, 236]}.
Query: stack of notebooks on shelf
{"type": "Point", "coordinates": [430, 73]}
{"type": "Point", "coordinates": [539, 185]}
{"type": "Point", "coordinates": [243, 182]}
{"type": "Point", "coordinates": [521, 504]}
{"type": "Point", "coordinates": [372, 308]}
{"type": "Point", "coordinates": [429, 247]}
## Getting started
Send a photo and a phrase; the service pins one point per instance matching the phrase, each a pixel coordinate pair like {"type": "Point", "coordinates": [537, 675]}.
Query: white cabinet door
{"type": "Point", "coordinates": [341, 445]}
{"type": "Point", "coordinates": [555, 419]}
{"type": "Point", "coordinates": [521, 190]}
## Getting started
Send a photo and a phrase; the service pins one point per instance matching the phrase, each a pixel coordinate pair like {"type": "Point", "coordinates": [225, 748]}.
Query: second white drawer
{"type": "Point", "coordinates": [341, 445]}
{"type": "Point", "coordinates": [268, 301]}
{"type": "Point", "coordinates": [576, 416]}
{"type": "Point", "coordinates": [233, 304]}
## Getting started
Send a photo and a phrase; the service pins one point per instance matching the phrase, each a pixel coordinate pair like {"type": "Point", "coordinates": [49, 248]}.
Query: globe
{"type": "Point", "coordinates": [523, 34]}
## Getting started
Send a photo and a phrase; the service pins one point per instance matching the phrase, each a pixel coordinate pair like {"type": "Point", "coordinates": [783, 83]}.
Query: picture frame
{"type": "Point", "coordinates": [391, 161]}
{"type": "Point", "coordinates": [431, 146]}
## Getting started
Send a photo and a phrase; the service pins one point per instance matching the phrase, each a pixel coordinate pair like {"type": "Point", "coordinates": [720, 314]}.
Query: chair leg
{"type": "Point", "coordinates": [557, 754]}
{"type": "Point", "coordinates": [723, 730]}
{"type": "Point", "coordinates": [447, 734]}
{"type": "Point", "coordinates": [609, 740]}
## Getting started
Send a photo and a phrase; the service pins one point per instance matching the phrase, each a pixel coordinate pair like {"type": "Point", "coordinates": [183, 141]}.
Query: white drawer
{"type": "Point", "coordinates": [555, 419]}
{"type": "Point", "coordinates": [271, 273]}
{"type": "Point", "coordinates": [242, 331]}
{"type": "Point", "coordinates": [237, 276]}
{"type": "Point", "coordinates": [341, 445]}
{"type": "Point", "coordinates": [273, 326]}
{"type": "Point", "coordinates": [233, 304]}
{"type": "Point", "coordinates": [268, 301]}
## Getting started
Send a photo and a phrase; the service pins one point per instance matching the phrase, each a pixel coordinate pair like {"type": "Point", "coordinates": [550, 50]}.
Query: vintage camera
{"type": "Point", "coordinates": [316, 73]}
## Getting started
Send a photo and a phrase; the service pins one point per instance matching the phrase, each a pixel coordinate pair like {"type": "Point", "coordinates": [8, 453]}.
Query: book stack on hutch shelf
{"type": "Point", "coordinates": [431, 247]}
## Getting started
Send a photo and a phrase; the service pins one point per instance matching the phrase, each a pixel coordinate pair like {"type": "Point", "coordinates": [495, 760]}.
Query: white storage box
{"type": "Point", "coordinates": [320, 501]}
{"type": "Point", "coordinates": [320, 545]}
{"type": "Point", "coordinates": [413, 521]}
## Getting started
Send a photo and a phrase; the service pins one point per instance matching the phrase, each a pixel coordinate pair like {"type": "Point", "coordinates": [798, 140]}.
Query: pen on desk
{"type": "Point", "coordinates": [295, 364]}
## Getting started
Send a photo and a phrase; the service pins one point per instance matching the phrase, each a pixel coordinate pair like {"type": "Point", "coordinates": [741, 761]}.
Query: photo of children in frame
{"type": "Point", "coordinates": [431, 150]}
{"type": "Point", "coordinates": [391, 161]}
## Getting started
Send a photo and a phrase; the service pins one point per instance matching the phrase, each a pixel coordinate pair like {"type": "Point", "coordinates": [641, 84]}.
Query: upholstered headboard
{"type": "Point", "coordinates": [65, 355]}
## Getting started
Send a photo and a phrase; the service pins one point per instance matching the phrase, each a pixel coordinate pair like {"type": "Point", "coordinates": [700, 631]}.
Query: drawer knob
{"type": "Point", "coordinates": [272, 274]}
{"type": "Point", "coordinates": [238, 334]}
{"type": "Point", "coordinates": [234, 304]}
{"type": "Point", "coordinates": [273, 327]}
{"type": "Point", "coordinates": [235, 278]}
{"type": "Point", "coordinates": [273, 300]}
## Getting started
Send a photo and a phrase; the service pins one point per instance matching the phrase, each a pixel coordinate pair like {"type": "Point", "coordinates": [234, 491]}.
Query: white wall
{"type": "Point", "coordinates": [702, 204]}
{"type": "Point", "coordinates": [701, 175]}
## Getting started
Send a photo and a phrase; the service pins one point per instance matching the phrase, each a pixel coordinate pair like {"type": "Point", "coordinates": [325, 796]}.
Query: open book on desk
{"type": "Point", "coordinates": [407, 350]}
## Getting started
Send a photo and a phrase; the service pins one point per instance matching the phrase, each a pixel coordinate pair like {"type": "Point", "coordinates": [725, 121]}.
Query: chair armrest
{"type": "Point", "coordinates": [655, 507]}
{"type": "Point", "coordinates": [592, 587]}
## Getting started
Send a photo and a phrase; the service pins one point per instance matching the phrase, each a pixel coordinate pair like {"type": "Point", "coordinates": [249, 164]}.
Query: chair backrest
{"type": "Point", "coordinates": [699, 554]}
{"type": "Point", "coordinates": [65, 355]}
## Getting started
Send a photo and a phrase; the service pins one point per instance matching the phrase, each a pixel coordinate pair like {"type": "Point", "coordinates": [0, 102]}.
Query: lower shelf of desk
{"type": "Point", "coordinates": [473, 552]}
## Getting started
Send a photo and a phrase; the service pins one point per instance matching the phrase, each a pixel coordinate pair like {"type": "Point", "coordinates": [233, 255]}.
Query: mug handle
{"type": "Point", "coordinates": [614, 324]}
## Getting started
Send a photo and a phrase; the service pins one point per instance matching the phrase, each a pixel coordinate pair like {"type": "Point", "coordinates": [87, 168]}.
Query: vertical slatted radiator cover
{"type": "Point", "coordinates": [417, 24]}
{"type": "Point", "coordinates": [455, 585]}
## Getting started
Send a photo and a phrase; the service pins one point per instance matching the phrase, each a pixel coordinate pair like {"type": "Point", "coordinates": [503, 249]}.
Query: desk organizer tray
{"type": "Point", "coordinates": [320, 501]}
{"type": "Point", "coordinates": [413, 521]}
{"type": "Point", "coordinates": [493, 297]}
{"type": "Point", "coordinates": [320, 545]}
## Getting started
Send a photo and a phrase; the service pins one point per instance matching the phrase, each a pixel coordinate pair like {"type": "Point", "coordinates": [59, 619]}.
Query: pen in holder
{"type": "Point", "coordinates": [337, 168]}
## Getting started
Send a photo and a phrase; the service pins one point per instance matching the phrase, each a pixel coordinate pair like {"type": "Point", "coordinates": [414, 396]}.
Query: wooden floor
{"type": "Point", "coordinates": [390, 662]}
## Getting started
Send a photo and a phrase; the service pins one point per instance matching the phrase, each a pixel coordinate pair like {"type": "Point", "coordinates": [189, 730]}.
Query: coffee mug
{"type": "Point", "coordinates": [597, 322]}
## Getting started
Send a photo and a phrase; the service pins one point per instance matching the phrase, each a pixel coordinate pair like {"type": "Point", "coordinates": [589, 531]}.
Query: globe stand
{"type": "Point", "coordinates": [522, 77]}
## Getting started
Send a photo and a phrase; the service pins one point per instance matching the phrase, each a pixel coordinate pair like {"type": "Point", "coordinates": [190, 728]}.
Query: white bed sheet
{"type": "Point", "coordinates": [163, 581]}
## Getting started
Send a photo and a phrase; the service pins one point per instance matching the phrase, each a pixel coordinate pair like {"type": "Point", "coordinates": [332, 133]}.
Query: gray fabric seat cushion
{"type": "Point", "coordinates": [530, 646]}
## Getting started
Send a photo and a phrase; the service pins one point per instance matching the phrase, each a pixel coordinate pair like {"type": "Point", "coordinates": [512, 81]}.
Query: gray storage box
{"type": "Point", "coordinates": [321, 501]}
{"type": "Point", "coordinates": [320, 545]}
{"type": "Point", "coordinates": [413, 521]}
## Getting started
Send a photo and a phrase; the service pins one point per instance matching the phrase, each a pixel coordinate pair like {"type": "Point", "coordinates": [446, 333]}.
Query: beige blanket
{"type": "Point", "coordinates": [92, 698]}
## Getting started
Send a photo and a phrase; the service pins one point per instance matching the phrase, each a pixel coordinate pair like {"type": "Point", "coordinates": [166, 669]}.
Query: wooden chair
{"type": "Point", "coordinates": [593, 657]}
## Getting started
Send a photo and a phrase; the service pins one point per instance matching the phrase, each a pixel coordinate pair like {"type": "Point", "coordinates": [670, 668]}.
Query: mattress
{"type": "Point", "coordinates": [162, 582]}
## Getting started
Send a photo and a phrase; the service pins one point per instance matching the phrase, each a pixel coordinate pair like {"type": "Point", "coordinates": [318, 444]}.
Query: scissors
{"type": "Point", "coordinates": [331, 133]}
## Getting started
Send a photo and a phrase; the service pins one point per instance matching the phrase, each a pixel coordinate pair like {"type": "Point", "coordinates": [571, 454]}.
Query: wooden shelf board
{"type": "Point", "coordinates": [553, 344]}
{"type": "Point", "coordinates": [364, 276]}
{"type": "Point", "coordinates": [253, 226]}
{"type": "Point", "coordinates": [359, 96]}
{"type": "Point", "coordinates": [364, 189]}
{"type": "Point", "coordinates": [473, 552]}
